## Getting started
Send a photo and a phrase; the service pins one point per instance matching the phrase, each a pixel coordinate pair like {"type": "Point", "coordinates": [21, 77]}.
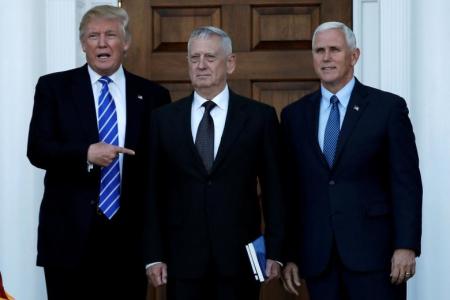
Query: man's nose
{"type": "Point", "coordinates": [102, 40]}
{"type": "Point", "coordinates": [201, 62]}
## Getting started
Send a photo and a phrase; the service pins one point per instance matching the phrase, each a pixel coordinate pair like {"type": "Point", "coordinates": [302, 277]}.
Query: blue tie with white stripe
{"type": "Point", "coordinates": [332, 131]}
{"type": "Point", "coordinates": [109, 200]}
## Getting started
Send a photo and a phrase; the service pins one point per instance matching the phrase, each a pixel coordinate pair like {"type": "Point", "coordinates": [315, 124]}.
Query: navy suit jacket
{"type": "Point", "coordinates": [62, 127]}
{"type": "Point", "coordinates": [370, 202]}
{"type": "Point", "coordinates": [196, 219]}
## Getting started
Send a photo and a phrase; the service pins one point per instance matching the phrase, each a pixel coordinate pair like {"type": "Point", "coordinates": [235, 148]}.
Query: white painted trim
{"type": "Point", "coordinates": [357, 30]}
{"type": "Point", "coordinates": [382, 29]}
{"type": "Point", "coordinates": [395, 54]}
{"type": "Point", "coordinates": [366, 21]}
{"type": "Point", "coordinates": [61, 41]}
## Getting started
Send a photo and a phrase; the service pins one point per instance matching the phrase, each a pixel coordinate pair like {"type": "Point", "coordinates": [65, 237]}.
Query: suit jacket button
{"type": "Point", "coordinates": [331, 182]}
{"type": "Point", "coordinates": [209, 182]}
{"type": "Point", "coordinates": [92, 202]}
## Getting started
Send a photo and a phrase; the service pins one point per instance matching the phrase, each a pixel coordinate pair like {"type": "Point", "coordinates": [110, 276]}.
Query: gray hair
{"type": "Point", "coordinates": [105, 12]}
{"type": "Point", "coordinates": [348, 33]}
{"type": "Point", "coordinates": [208, 31]}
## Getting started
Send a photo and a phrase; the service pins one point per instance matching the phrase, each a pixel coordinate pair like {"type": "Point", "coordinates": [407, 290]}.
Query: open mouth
{"type": "Point", "coordinates": [103, 56]}
{"type": "Point", "coordinates": [328, 68]}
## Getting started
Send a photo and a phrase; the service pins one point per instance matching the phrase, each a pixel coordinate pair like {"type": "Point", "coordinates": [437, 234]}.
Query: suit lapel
{"type": "Point", "coordinates": [355, 109]}
{"type": "Point", "coordinates": [131, 99]}
{"type": "Point", "coordinates": [313, 121]}
{"type": "Point", "coordinates": [234, 123]}
{"type": "Point", "coordinates": [83, 99]}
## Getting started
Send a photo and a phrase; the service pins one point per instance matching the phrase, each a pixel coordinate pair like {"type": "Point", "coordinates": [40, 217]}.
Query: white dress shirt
{"type": "Point", "coordinates": [118, 93]}
{"type": "Point", "coordinates": [218, 113]}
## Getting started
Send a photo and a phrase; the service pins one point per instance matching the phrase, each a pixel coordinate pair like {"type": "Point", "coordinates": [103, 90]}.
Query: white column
{"type": "Point", "coordinates": [430, 96]}
{"type": "Point", "coordinates": [366, 20]}
{"type": "Point", "coordinates": [62, 35]}
{"type": "Point", "coordinates": [382, 30]}
{"type": "Point", "coordinates": [23, 59]}
{"type": "Point", "coordinates": [395, 47]}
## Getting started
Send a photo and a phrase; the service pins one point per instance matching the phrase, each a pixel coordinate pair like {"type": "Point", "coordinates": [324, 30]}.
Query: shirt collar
{"type": "Point", "coordinates": [116, 77]}
{"type": "Point", "coordinates": [221, 99]}
{"type": "Point", "coordinates": [343, 94]}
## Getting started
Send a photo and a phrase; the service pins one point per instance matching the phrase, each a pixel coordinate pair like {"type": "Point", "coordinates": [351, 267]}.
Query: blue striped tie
{"type": "Point", "coordinates": [109, 134]}
{"type": "Point", "coordinates": [332, 131]}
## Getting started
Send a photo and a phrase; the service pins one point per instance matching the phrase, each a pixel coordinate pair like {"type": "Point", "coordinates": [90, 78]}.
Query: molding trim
{"type": "Point", "coordinates": [395, 50]}
{"type": "Point", "coordinates": [366, 20]}
{"type": "Point", "coordinates": [61, 37]}
{"type": "Point", "coordinates": [383, 32]}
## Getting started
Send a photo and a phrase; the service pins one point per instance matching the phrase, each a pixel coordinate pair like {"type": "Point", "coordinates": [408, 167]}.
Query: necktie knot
{"type": "Point", "coordinates": [334, 100]}
{"type": "Point", "coordinates": [105, 80]}
{"type": "Point", "coordinates": [208, 105]}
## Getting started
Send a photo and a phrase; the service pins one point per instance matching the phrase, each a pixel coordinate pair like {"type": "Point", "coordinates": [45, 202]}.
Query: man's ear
{"type": "Point", "coordinates": [231, 63]}
{"type": "Point", "coordinates": [127, 44]}
{"type": "Point", "coordinates": [355, 56]}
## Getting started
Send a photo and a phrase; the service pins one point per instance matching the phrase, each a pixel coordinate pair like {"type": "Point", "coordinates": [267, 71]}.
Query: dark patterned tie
{"type": "Point", "coordinates": [332, 132]}
{"type": "Point", "coordinates": [109, 134]}
{"type": "Point", "coordinates": [204, 140]}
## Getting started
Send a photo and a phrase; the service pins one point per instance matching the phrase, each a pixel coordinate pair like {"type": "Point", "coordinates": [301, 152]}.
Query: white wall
{"type": "Point", "coordinates": [405, 50]}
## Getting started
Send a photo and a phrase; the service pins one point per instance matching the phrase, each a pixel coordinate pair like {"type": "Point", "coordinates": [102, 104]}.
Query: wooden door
{"type": "Point", "coordinates": [271, 38]}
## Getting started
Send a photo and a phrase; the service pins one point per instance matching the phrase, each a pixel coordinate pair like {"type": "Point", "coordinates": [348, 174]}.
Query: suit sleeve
{"type": "Point", "coordinates": [405, 179]}
{"type": "Point", "coordinates": [153, 243]}
{"type": "Point", "coordinates": [47, 148]}
{"type": "Point", "coordinates": [270, 180]}
{"type": "Point", "coordinates": [291, 247]}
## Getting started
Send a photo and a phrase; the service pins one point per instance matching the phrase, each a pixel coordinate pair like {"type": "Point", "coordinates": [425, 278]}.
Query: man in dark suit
{"type": "Point", "coordinates": [86, 125]}
{"type": "Point", "coordinates": [355, 191]}
{"type": "Point", "coordinates": [209, 150]}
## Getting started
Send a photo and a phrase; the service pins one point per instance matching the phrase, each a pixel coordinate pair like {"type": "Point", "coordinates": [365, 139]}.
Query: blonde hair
{"type": "Point", "coordinates": [105, 12]}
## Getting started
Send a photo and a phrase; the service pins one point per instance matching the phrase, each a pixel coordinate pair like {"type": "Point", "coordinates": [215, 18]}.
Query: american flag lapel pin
{"type": "Point", "coordinates": [356, 108]}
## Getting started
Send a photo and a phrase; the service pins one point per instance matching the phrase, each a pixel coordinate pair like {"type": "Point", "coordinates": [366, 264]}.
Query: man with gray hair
{"type": "Point", "coordinates": [86, 133]}
{"type": "Point", "coordinates": [355, 192]}
{"type": "Point", "coordinates": [209, 150]}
